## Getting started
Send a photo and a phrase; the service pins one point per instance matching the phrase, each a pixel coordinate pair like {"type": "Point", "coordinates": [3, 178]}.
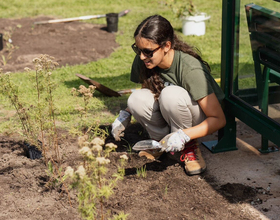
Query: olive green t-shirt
{"type": "Point", "coordinates": [187, 72]}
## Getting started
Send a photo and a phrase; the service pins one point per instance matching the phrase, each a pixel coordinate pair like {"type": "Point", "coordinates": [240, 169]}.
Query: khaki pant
{"type": "Point", "coordinates": [174, 110]}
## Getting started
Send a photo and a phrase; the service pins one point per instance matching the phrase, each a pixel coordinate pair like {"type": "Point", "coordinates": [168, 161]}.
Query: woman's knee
{"type": "Point", "coordinates": [140, 100]}
{"type": "Point", "coordinates": [178, 108]}
{"type": "Point", "coordinates": [173, 96]}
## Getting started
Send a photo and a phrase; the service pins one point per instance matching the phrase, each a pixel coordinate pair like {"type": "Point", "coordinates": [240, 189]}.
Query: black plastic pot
{"type": "Point", "coordinates": [32, 151]}
{"type": "Point", "coordinates": [112, 22]}
{"type": "Point", "coordinates": [1, 41]}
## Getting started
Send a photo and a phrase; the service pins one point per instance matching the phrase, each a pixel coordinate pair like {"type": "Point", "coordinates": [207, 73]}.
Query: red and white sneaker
{"type": "Point", "coordinates": [192, 157]}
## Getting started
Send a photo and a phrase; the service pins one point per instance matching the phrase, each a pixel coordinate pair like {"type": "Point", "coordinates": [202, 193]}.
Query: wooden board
{"type": "Point", "coordinates": [99, 87]}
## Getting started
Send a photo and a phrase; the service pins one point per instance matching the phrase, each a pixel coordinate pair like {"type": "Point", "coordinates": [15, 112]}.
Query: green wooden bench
{"type": "Point", "coordinates": [264, 31]}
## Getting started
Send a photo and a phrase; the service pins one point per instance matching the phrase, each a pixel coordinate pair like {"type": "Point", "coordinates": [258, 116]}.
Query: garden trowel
{"type": "Point", "coordinates": [151, 144]}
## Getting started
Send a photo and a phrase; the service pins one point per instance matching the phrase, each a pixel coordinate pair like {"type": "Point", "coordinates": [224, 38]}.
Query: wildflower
{"type": "Point", "coordinates": [73, 91]}
{"type": "Point", "coordinates": [124, 157]}
{"type": "Point", "coordinates": [55, 63]}
{"type": "Point", "coordinates": [81, 172]}
{"type": "Point", "coordinates": [85, 144]}
{"type": "Point", "coordinates": [27, 69]}
{"type": "Point", "coordinates": [82, 139]}
{"type": "Point", "coordinates": [36, 60]}
{"type": "Point", "coordinates": [97, 147]}
{"type": "Point", "coordinates": [85, 151]}
{"type": "Point", "coordinates": [69, 172]}
{"type": "Point", "coordinates": [49, 73]}
{"type": "Point", "coordinates": [82, 89]}
{"type": "Point", "coordinates": [111, 146]}
{"type": "Point", "coordinates": [102, 160]}
{"type": "Point", "coordinates": [39, 67]}
{"type": "Point", "coordinates": [88, 94]}
{"type": "Point", "coordinates": [92, 87]}
{"type": "Point", "coordinates": [97, 141]}
{"type": "Point", "coordinates": [79, 108]}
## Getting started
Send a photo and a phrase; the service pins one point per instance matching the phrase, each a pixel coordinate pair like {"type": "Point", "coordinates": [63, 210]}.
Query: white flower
{"type": "Point", "coordinates": [102, 160]}
{"type": "Point", "coordinates": [97, 141]}
{"type": "Point", "coordinates": [27, 69]}
{"type": "Point", "coordinates": [124, 157]}
{"type": "Point", "coordinates": [82, 139]}
{"type": "Point", "coordinates": [85, 144]}
{"type": "Point", "coordinates": [85, 151]}
{"type": "Point", "coordinates": [81, 172]}
{"type": "Point", "coordinates": [69, 172]}
{"type": "Point", "coordinates": [111, 146]}
{"type": "Point", "coordinates": [97, 148]}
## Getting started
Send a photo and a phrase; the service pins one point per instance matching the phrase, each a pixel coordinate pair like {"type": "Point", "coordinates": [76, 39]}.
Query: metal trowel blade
{"type": "Point", "coordinates": [147, 145]}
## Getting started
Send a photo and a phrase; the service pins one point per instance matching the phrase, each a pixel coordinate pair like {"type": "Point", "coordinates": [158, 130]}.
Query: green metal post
{"type": "Point", "coordinates": [227, 135]}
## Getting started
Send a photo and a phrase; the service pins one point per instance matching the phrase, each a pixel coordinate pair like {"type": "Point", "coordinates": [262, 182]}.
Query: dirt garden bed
{"type": "Point", "coordinates": [166, 193]}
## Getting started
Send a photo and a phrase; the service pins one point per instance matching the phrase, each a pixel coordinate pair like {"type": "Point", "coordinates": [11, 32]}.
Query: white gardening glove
{"type": "Point", "coordinates": [175, 141]}
{"type": "Point", "coordinates": [120, 124]}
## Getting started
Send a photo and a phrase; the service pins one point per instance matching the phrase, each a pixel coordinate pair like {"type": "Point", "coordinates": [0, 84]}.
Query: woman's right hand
{"type": "Point", "coordinates": [120, 124]}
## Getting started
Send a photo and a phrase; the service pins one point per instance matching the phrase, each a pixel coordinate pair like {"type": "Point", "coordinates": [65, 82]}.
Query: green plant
{"type": "Point", "coordinates": [86, 94]}
{"type": "Point", "coordinates": [10, 48]}
{"type": "Point", "coordinates": [38, 117]}
{"type": "Point", "coordinates": [128, 146]}
{"type": "Point", "coordinates": [141, 172]}
{"type": "Point", "coordinates": [166, 190]}
{"type": "Point", "coordinates": [183, 8]}
{"type": "Point", "coordinates": [91, 179]}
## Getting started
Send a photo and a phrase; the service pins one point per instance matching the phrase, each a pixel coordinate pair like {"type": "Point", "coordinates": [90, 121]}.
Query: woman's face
{"type": "Point", "coordinates": [158, 58]}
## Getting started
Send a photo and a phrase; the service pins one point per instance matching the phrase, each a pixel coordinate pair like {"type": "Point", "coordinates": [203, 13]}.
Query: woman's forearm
{"type": "Point", "coordinates": [208, 126]}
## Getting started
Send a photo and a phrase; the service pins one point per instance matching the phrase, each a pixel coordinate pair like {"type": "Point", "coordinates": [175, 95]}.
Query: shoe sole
{"type": "Point", "coordinates": [195, 172]}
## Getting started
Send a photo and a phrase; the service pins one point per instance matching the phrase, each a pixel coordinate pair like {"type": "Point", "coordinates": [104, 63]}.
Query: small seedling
{"type": "Point", "coordinates": [129, 147]}
{"type": "Point", "coordinates": [141, 172]}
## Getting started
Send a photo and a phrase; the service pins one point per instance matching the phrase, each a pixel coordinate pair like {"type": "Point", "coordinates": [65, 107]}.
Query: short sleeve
{"type": "Point", "coordinates": [135, 69]}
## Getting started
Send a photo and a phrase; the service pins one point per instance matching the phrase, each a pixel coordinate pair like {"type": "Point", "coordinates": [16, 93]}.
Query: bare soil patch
{"type": "Point", "coordinates": [166, 193]}
{"type": "Point", "coordinates": [70, 43]}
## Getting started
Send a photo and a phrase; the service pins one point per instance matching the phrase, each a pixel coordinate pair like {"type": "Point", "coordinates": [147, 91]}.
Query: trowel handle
{"type": "Point", "coordinates": [164, 140]}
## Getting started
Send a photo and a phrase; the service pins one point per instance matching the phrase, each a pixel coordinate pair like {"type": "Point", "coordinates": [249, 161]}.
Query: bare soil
{"type": "Point", "coordinates": [240, 184]}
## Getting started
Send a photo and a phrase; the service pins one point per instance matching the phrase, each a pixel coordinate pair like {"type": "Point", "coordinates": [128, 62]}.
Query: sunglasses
{"type": "Point", "coordinates": [146, 52]}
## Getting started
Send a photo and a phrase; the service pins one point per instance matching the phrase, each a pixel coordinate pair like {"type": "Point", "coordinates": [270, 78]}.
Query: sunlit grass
{"type": "Point", "coordinates": [114, 71]}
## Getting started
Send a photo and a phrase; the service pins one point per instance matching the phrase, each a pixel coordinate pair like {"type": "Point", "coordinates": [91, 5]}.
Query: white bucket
{"type": "Point", "coordinates": [195, 25]}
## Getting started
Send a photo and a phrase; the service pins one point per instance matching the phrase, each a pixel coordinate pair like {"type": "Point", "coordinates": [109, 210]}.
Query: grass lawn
{"type": "Point", "coordinates": [114, 70]}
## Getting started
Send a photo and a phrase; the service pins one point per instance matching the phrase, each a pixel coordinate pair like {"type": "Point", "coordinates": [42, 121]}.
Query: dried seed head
{"type": "Point", "coordinates": [124, 157]}
{"type": "Point", "coordinates": [97, 141]}
{"type": "Point", "coordinates": [69, 172]}
{"type": "Point", "coordinates": [85, 151]}
{"type": "Point", "coordinates": [111, 146]}
{"type": "Point", "coordinates": [73, 91]}
{"type": "Point", "coordinates": [81, 172]}
{"type": "Point", "coordinates": [82, 139]}
{"type": "Point", "coordinates": [97, 148]}
{"type": "Point", "coordinates": [27, 69]}
{"type": "Point", "coordinates": [92, 87]}
{"type": "Point", "coordinates": [102, 160]}
{"type": "Point", "coordinates": [36, 60]}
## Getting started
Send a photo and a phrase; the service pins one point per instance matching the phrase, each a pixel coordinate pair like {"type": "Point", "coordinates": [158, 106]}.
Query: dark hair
{"type": "Point", "coordinates": [159, 30]}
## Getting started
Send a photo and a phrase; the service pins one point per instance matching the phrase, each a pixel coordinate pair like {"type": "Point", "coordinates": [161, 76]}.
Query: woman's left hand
{"type": "Point", "coordinates": [175, 141]}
